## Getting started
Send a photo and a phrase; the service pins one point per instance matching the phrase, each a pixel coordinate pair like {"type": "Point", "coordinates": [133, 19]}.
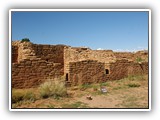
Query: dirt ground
{"type": "Point", "coordinates": [125, 93]}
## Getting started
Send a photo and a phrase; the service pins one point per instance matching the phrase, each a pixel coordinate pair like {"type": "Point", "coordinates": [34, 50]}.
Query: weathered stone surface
{"type": "Point", "coordinates": [33, 64]}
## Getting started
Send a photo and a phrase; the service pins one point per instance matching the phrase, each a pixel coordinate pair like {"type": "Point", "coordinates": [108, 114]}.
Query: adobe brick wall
{"type": "Point", "coordinates": [87, 71]}
{"type": "Point", "coordinates": [31, 73]}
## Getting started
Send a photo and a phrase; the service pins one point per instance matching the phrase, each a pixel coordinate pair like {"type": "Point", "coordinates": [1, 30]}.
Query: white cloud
{"type": "Point", "coordinates": [100, 49]}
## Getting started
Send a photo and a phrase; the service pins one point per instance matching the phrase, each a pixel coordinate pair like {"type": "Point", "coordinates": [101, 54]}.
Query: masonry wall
{"type": "Point", "coordinates": [77, 54]}
{"type": "Point", "coordinates": [132, 56]}
{"type": "Point", "coordinates": [14, 54]}
{"type": "Point", "coordinates": [124, 55]}
{"type": "Point", "coordinates": [50, 53]}
{"type": "Point", "coordinates": [119, 69]}
{"type": "Point", "coordinates": [123, 68]}
{"type": "Point", "coordinates": [32, 64]}
{"type": "Point", "coordinates": [31, 73]}
{"type": "Point", "coordinates": [25, 51]}
{"type": "Point", "coordinates": [138, 68]}
{"type": "Point", "coordinates": [87, 71]}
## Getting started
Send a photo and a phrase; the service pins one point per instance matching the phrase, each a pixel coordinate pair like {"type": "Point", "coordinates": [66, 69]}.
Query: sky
{"type": "Point", "coordinates": [119, 31]}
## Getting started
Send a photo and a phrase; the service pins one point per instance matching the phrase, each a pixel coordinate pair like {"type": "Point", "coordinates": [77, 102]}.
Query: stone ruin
{"type": "Point", "coordinates": [33, 64]}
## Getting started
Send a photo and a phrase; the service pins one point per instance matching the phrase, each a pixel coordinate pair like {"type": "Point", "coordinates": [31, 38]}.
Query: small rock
{"type": "Point", "coordinates": [89, 97]}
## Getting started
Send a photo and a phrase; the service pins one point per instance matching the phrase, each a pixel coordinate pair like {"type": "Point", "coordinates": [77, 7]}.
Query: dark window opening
{"type": "Point", "coordinates": [47, 60]}
{"type": "Point", "coordinates": [107, 71]}
{"type": "Point", "coordinates": [67, 77]}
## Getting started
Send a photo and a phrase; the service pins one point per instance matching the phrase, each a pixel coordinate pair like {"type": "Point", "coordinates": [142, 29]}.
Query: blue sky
{"type": "Point", "coordinates": [106, 30]}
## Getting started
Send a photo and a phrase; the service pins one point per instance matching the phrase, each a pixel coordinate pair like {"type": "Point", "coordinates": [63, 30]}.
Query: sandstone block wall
{"type": "Point", "coordinates": [123, 68]}
{"type": "Point", "coordinates": [32, 64]}
{"type": "Point", "coordinates": [124, 55]}
{"type": "Point", "coordinates": [87, 71]}
{"type": "Point", "coordinates": [31, 73]}
{"type": "Point", "coordinates": [14, 54]}
{"type": "Point", "coordinates": [77, 54]}
{"type": "Point", "coordinates": [50, 53]}
{"type": "Point", "coordinates": [119, 69]}
{"type": "Point", "coordinates": [132, 56]}
{"type": "Point", "coordinates": [138, 68]}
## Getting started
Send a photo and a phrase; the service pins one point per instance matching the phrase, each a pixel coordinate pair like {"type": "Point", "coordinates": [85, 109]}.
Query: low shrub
{"type": "Point", "coordinates": [17, 96]}
{"type": "Point", "coordinates": [53, 88]}
{"type": "Point", "coordinates": [20, 95]}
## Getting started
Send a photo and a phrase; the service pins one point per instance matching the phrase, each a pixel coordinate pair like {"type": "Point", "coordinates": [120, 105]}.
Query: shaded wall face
{"type": "Point", "coordinates": [14, 54]}
{"type": "Point", "coordinates": [119, 70]}
{"type": "Point", "coordinates": [138, 69]}
{"type": "Point", "coordinates": [122, 68]}
{"type": "Point", "coordinates": [28, 74]}
{"type": "Point", "coordinates": [88, 71]}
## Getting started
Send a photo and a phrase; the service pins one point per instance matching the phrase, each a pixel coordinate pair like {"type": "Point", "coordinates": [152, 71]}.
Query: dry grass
{"type": "Point", "coordinates": [130, 92]}
{"type": "Point", "coordinates": [53, 88]}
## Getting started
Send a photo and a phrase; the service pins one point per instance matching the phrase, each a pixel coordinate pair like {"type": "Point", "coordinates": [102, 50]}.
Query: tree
{"type": "Point", "coordinates": [25, 40]}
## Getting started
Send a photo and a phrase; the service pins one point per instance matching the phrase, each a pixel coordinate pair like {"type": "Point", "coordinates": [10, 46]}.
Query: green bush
{"type": "Point", "coordinates": [53, 88]}
{"type": "Point", "coordinates": [25, 40]}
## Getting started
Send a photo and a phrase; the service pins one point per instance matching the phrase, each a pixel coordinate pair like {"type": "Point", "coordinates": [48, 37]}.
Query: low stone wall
{"type": "Point", "coordinates": [31, 73]}
{"type": "Point", "coordinates": [119, 69]}
{"type": "Point", "coordinates": [77, 54]}
{"type": "Point", "coordinates": [143, 55]}
{"type": "Point", "coordinates": [124, 55]}
{"type": "Point", "coordinates": [87, 71]}
{"type": "Point", "coordinates": [138, 68]}
{"type": "Point", "coordinates": [124, 68]}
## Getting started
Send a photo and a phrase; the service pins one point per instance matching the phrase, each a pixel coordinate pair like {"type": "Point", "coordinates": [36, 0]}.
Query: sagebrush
{"type": "Point", "coordinates": [53, 88]}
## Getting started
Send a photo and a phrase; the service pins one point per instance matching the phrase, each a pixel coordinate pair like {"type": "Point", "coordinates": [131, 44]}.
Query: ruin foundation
{"type": "Point", "coordinates": [33, 64]}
